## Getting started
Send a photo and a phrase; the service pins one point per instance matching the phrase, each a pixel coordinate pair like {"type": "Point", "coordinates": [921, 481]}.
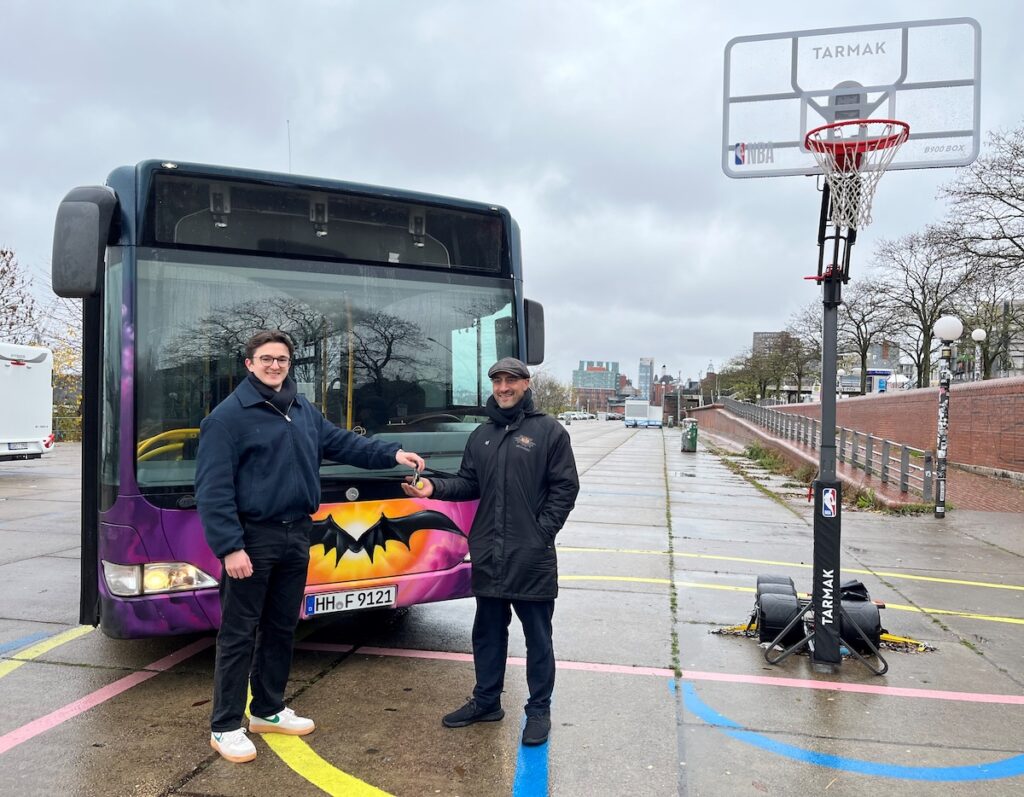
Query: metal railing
{"type": "Point", "coordinates": [893, 463]}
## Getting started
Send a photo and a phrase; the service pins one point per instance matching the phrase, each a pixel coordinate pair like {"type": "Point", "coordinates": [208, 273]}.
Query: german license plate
{"type": "Point", "coordinates": [373, 598]}
{"type": "Point", "coordinates": [17, 446]}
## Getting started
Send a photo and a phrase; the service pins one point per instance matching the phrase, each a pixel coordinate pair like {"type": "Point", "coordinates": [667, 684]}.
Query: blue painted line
{"type": "Point", "coordinates": [531, 778]}
{"type": "Point", "coordinates": [24, 642]}
{"type": "Point", "coordinates": [1007, 768]}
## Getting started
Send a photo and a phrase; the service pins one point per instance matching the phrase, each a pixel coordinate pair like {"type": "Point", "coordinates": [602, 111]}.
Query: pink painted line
{"type": "Point", "coordinates": [329, 647]}
{"type": "Point", "coordinates": [889, 691]}
{"type": "Point", "coordinates": [324, 647]}
{"type": "Point", "coordinates": [439, 655]}
{"type": "Point", "coordinates": [619, 669]}
{"type": "Point", "coordinates": [54, 718]}
{"type": "Point", "coordinates": [696, 675]}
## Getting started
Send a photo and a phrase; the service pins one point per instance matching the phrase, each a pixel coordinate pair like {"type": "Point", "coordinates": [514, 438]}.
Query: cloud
{"type": "Point", "coordinates": [598, 124]}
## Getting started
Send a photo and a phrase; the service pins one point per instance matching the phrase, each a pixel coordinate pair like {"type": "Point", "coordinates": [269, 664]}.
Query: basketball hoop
{"type": "Point", "coordinates": [853, 155]}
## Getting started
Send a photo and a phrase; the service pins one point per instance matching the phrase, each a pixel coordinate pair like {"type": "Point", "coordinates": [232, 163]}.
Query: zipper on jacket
{"type": "Point", "coordinates": [282, 414]}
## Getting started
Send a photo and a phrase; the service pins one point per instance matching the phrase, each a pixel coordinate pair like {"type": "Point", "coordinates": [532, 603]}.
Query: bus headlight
{"type": "Point", "coordinates": [154, 578]}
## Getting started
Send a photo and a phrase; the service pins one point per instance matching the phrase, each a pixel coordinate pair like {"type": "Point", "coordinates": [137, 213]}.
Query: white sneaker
{"type": "Point", "coordinates": [285, 721]}
{"type": "Point", "coordinates": [233, 745]}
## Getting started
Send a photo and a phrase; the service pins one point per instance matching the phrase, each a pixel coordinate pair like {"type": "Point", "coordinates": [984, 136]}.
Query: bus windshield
{"type": "Point", "coordinates": [394, 353]}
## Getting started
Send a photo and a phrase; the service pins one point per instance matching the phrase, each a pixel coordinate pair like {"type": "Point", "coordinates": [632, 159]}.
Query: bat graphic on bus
{"type": "Point", "coordinates": [333, 537]}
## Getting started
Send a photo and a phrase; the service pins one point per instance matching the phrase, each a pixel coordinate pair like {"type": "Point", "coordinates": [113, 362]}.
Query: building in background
{"type": "Point", "coordinates": [645, 378]}
{"type": "Point", "coordinates": [595, 385]}
{"type": "Point", "coordinates": [766, 342]}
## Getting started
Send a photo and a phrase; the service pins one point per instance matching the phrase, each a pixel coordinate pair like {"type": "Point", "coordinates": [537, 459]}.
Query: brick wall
{"type": "Point", "coordinates": [986, 420]}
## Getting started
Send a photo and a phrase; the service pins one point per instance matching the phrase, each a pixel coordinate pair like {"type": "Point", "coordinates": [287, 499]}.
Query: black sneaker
{"type": "Point", "coordinates": [537, 729]}
{"type": "Point", "coordinates": [471, 713]}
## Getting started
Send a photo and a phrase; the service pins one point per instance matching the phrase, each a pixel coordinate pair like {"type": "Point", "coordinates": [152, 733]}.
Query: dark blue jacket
{"type": "Point", "coordinates": [254, 464]}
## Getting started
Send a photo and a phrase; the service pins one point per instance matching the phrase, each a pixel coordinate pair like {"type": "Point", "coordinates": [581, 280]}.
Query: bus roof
{"type": "Point", "coordinates": [147, 168]}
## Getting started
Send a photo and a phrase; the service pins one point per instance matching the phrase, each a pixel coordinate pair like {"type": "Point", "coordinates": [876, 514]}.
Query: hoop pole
{"type": "Point", "coordinates": [826, 655]}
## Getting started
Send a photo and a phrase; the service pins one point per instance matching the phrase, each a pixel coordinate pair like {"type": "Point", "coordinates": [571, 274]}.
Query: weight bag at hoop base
{"type": "Point", "coordinates": [865, 615]}
{"type": "Point", "coordinates": [774, 612]}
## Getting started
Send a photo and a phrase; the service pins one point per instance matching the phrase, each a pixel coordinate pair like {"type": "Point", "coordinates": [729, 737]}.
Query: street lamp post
{"type": "Point", "coordinates": [946, 329]}
{"type": "Point", "coordinates": [978, 336]}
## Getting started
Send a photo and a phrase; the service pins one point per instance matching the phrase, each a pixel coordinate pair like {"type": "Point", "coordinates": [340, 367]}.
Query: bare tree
{"type": "Point", "coordinates": [986, 213]}
{"type": "Point", "coordinates": [19, 317]}
{"type": "Point", "coordinates": [803, 347]}
{"type": "Point", "coordinates": [918, 281]}
{"type": "Point", "coordinates": [549, 394]}
{"type": "Point", "coordinates": [806, 324]}
{"type": "Point", "coordinates": [63, 327]}
{"type": "Point", "coordinates": [383, 340]}
{"type": "Point", "coordinates": [862, 323]}
{"type": "Point", "coordinates": [749, 374]}
{"type": "Point", "coordinates": [989, 303]}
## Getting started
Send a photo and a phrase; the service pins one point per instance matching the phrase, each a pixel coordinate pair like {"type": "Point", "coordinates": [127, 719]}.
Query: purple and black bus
{"type": "Point", "coordinates": [397, 301]}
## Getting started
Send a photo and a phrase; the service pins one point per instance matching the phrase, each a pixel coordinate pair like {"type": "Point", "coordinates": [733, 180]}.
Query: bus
{"type": "Point", "coordinates": [26, 401]}
{"type": "Point", "coordinates": [397, 301]}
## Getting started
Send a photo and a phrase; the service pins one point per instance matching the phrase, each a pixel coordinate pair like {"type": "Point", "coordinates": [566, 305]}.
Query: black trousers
{"type": "Point", "coordinates": [490, 649]}
{"type": "Point", "coordinates": [258, 619]}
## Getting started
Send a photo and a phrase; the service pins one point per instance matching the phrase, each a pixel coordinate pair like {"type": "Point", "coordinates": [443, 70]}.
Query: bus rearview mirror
{"type": "Point", "coordinates": [80, 237]}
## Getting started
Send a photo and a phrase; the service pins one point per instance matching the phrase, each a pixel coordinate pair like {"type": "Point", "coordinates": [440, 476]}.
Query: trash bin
{"type": "Point", "coordinates": [689, 441]}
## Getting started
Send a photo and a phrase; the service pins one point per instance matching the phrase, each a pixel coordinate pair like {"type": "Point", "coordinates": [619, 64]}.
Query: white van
{"type": "Point", "coordinates": [26, 401]}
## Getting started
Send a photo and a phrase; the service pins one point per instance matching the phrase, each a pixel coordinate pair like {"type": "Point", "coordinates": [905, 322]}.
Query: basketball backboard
{"type": "Point", "coordinates": [779, 86]}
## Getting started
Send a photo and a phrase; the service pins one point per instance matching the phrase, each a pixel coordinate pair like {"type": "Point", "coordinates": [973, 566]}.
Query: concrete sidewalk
{"type": "Point", "coordinates": [949, 719]}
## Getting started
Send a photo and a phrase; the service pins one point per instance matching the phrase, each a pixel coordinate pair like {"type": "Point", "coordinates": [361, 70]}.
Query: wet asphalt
{"type": "Point", "coordinates": [661, 552]}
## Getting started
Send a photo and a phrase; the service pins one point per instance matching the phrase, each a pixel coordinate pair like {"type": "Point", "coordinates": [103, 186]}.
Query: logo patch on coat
{"type": "Point", "coordinates": [523, 442]}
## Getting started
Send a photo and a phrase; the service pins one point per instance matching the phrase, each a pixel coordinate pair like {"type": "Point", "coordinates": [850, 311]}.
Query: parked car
{"type": "Point", "coordinates": [614, 416]}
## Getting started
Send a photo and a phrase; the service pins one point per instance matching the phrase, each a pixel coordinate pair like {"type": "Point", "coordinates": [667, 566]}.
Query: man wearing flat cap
{"type": "Point", "coordinates": [520, 465]}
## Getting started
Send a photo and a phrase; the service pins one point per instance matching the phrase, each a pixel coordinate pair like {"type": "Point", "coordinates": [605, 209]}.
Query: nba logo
{"type": "Point", "coordinates": [828, 502]}
{"type": "Point", "coordinates": [740, 152]}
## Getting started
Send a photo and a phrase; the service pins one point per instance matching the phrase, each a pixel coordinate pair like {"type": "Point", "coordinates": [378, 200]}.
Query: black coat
{"type": "Point", "coordinates": [524, 474]}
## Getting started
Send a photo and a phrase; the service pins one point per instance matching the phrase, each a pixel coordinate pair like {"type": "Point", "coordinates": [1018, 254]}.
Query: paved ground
{"type": "Point", "coordinates": [662, 549]}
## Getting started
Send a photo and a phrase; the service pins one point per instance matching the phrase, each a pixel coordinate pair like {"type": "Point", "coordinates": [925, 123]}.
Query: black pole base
{"type": "Point", "coordinates": [828, 505]}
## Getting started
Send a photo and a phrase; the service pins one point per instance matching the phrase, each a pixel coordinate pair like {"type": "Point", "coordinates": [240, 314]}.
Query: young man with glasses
{"type": "Point", "coordinates": [521, 467]}
{"type": "Point", "coordinates": [257, 483]}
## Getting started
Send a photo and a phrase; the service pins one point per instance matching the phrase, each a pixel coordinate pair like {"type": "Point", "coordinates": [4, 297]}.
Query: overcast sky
{"type": "Point", "coordinates": [597, 124]}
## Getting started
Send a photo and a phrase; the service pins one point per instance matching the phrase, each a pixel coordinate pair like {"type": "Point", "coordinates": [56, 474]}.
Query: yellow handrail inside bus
{"type": "Point", "coordinates": [165, 442]}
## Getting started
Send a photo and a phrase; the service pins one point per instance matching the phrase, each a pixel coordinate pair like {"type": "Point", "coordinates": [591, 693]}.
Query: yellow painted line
{"type": "Point", "coordinates": [950, 613]}
{"type": "Point", "coordinates": [729, 588]}
{"type": "Point", "coordinates": [634, 579]}
{"type": "Point", "coordinates": [307, 764]}
{"type": "Point", "coordinates": [724, 587]}
{"type": "Point", "coordinates": [959, 582]}
{"type": "Point", "coordinates": [720, 558]}
{"type": "Point", "coordinates": [22, 656]}
{"type": "Point", "coordinates": [301, 758]}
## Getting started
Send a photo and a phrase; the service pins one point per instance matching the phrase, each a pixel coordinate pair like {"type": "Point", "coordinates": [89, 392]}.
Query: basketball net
{"type": "Point", "coordinates": [853, 155]}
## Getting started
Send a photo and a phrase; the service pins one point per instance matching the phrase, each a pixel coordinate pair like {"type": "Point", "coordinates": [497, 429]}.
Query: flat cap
{"type": "Point", "coordinates": [509, 365]}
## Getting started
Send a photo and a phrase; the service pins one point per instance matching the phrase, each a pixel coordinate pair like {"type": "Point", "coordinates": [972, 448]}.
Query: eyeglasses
{"type": "Point", "coordinates": [267, 360]}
